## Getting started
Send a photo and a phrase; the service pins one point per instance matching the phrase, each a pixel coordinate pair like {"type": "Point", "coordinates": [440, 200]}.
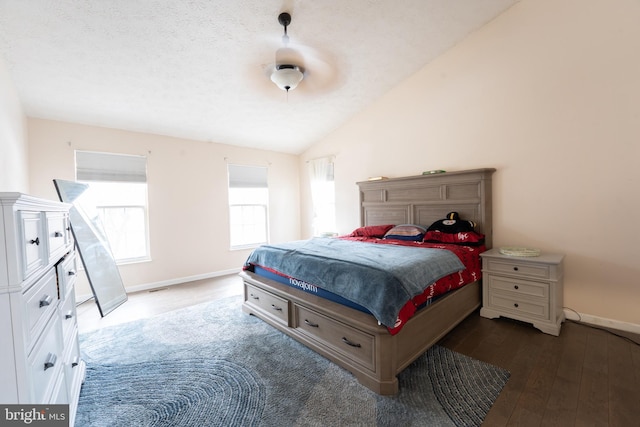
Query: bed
{"type": "Point", "coordinates": [353, 338]}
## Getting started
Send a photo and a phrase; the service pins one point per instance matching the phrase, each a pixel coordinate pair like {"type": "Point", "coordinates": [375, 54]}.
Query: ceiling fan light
{"type": "Point", "coordinates": [287, 77]}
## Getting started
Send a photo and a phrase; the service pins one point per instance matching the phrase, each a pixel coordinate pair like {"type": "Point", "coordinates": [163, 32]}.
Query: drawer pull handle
{"type": "Point", "coordinates": [45, 301]}
{"type": "Point", "coordinates": [515, 268]}
{"type": "Point", "coordinates": [35, 241]}
{"type": "Point", "coordinates": [71, 273]}
{"type": "Point", "coordinates": [76, 362]}
{"type": "Point", "coordinates": [255, 297]}
{"type": "Point", "coordinates": [51, 361]}
{"type": "Point", "coordinates": [515, 287]}
{"type": "Point", "coordinates": [515, 305]}
{"type": "Point", "coordinates": [57, 234]}
{"type": "Point", "coordinates": [69, 315]}
{"type": "Point", "coordinates": [276, 308]}
{"type": "Point", "coordinates": [352, 344]}
{"type": "Point", "coordinates": [313, 325]}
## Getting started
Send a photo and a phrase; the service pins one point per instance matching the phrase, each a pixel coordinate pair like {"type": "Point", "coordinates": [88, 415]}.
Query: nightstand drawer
{"type": "Point", "coordinates": [519, 287]}
{"type": "Point", "coordinates": [528, 308]}
{"type": "Point", "coordinates": [520, 268]}
{"type": "Point", "coordinates": [270, 304]}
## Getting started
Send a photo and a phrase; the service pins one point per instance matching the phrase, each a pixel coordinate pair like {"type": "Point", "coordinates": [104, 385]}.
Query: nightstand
{"type": "Point", "coordinates": [529, 289]}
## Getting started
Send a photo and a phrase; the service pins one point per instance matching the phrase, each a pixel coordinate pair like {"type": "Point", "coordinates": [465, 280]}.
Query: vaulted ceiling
{"type": "Point", "coordinates": [199, 69]}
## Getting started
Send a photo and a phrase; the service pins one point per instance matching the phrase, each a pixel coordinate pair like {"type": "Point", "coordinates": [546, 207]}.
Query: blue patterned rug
{"type": "Point", "coordinates": [213, 365]}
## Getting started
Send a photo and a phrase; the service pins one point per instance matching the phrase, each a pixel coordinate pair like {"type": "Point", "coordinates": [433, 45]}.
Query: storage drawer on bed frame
{"type": "Point", "coordinates": [338, 337]}
{"type": "Point", "coordinates": [271, 305]}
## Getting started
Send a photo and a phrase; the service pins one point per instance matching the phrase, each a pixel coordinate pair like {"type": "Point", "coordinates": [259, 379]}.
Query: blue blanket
{"type": "Point", "coordinates": [381, 278]}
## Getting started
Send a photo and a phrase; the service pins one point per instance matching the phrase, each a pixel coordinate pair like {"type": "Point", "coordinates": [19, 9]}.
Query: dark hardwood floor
{"type": "Point", "coordinates": [584, 377]}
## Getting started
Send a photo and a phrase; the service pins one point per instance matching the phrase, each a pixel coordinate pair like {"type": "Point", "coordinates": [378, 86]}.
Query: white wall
{"type": "Point", "coordinates": [13, 137]}
{"type": "Point", "coordinates": [187, 195]}
{"type": "Point", "coordinates": [549, 95]}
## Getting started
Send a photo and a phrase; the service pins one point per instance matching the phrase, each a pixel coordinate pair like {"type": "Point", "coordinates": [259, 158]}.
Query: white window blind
{"type": "Point", "coordinates": [247, 176]}
{"type": "Point", "coordinates": [94, 166]}
{"type": "Point", "coordinates": [118, 189]}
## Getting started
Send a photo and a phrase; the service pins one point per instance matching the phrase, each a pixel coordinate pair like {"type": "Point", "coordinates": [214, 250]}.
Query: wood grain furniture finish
{"type": "Point", "coordinates": [40, 354]}
{"type": "Point", "coordinates": [529, 289]}
{"type": "Point", "coordinates": [353, 339]}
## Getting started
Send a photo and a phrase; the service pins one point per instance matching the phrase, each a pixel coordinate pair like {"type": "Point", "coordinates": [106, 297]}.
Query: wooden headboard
{"type": "Point", "coordinates": [424, 199]}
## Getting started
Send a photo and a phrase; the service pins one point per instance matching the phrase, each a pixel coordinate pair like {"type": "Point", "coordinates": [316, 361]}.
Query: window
{"type": "Point", "coordinates": [248, 206]}
{"type": "Point", "coordinates": [118, 186]}
{"type": "Point", "coordinates": [323, 196]}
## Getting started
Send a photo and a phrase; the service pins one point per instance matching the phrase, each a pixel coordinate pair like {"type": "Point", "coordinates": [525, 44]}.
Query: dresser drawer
{"type": "Point", "coordinates": [268, 303]}
{"type": "Point", "coordinates": [57, 233]}
{"type": "Point", "coordinates": [339, 337]}
{"type": "Point", "coordinates": [32, 243]}
{"type": "Point", "coordinates": [68, 316]}
{"type": "Point", "coordinates": [45, 362]}
{"type": "Point", "coordinates": [40, 301]}
{"type": "Point", "coordinates": [66, 270]}
{"type": "Point", "coordinates": [527, 308]}
{"type": "Point", "coordinates": [518, 287]}
{"type": "Point", "coordinates": [523, 269]}
{"type": "Point", "coordinates": [72, 369]}
{"type": "Point", "coordinates": [60, 395]}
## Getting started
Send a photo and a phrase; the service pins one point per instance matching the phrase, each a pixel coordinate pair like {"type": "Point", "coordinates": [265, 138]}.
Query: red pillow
{"type": "Point", "coordinates": [470, 238]}
{"type": "Point", "coordinates": [371, 231]}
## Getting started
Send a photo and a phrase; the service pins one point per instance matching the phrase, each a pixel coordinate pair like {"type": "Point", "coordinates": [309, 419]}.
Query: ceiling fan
{"type": "Point", "coordinates": [295, 63]}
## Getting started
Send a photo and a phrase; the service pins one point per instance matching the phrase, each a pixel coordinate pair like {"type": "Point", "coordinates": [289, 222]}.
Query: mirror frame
{"type": "Point", "coordinates": [93, 247]}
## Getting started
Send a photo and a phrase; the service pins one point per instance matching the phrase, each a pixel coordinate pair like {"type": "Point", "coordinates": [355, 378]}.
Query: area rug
{"type": "Point", "coordinates": [213, 365]}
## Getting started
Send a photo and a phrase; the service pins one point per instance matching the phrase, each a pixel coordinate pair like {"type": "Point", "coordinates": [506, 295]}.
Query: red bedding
{"type": "Point", "coordinates": [469, 255]}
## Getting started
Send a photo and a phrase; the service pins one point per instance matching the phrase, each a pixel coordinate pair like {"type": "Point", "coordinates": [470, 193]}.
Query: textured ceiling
{"type": "Point", "coordinates": [198, 69]}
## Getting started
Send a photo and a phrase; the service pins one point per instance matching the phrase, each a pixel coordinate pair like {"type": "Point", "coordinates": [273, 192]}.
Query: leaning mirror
{"type": "Point", "coordinates": [93, 246]}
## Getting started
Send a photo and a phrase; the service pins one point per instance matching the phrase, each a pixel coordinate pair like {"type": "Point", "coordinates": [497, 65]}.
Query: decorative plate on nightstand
{"type": "Point", "coordinates": [518, 251]}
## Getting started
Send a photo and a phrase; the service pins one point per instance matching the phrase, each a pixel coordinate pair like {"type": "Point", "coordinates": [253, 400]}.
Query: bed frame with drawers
{"type": "Point", "coordinates": [354, 340]}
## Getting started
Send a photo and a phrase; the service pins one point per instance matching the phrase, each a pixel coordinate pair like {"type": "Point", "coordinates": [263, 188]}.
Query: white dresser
{"type": "Point", "coordinates": [529, 289]}
{"type": "Point", "coordinates": [39, 355]}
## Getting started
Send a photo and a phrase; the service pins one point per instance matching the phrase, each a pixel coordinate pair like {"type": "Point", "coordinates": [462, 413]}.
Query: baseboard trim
{"type": "Point", "coordinates": [170, 282]}
{"type": "Point", "coordinates": [602, 321]}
